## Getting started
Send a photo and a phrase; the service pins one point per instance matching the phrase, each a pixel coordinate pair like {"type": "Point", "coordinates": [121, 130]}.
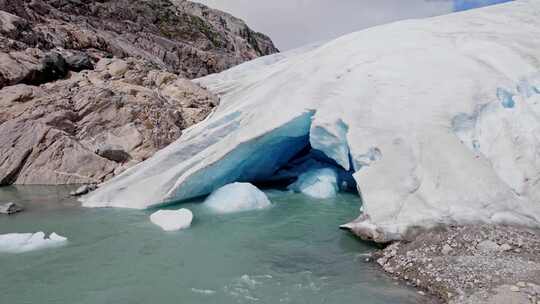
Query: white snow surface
{"type": "Point", "coordinates": [23, 242]}
{"type": "Point", "coordinates": [318, 183]}
{"type": "Point", "coordinates": [440, 118]}
{"type": "Point", "coordinates": [172, 220]}
{"type": "Point", "coordinates": [237, 197]}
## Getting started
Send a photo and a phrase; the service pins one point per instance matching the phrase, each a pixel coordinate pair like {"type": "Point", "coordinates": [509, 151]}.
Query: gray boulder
{"type": "Point", "coordinates": [113, 152]}
{"type": "Point", "coordinates": [10, 208]}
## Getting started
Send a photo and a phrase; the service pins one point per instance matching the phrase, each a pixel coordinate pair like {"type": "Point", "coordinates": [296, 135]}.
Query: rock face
{"type": "Point", "coordinates": [91, 88]}
{"type": "Point", "coordinates": [94, 124]}
{"type": "Point", "coordinates": [179, 36]}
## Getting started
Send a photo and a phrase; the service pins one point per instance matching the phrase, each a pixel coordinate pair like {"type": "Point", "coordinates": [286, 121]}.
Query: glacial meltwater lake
{"type": "Point", "coordinates": [290, 253]}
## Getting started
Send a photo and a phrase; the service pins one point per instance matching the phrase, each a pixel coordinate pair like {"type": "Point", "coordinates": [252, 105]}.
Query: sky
{"type": "Point", "coordinates": [294, 23]}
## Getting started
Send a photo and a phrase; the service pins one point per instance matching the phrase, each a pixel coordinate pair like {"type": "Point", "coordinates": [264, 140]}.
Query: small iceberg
{"type": "Point", "coordinates": [318, 183]}
{"type": "Point", "coordinates": [172, 220]}
{"type": "Point", "coordinates": [237, 197]}
{"type": "Point", "coordinates": [24, 242]}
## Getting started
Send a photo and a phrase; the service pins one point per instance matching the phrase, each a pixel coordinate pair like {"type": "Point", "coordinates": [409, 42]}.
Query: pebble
{"type": "Point", "coordinates": [505, 247]}
{"type": "Point", "coordinates": [514, 288]}
{"type": "Point", "coordinates": [446, 249]}
{"type": "Point", "coordinates": [488, 246]}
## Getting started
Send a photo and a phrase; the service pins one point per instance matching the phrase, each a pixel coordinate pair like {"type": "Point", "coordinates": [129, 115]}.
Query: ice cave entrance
{"type": "Point", "coordinates": [298, 155]}
{"type": "Point", "coordinates": [310, 172]}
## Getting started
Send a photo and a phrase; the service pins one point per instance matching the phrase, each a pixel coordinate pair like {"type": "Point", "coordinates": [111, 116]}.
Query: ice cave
{"type": "Point", "coordinates": [347, 115]}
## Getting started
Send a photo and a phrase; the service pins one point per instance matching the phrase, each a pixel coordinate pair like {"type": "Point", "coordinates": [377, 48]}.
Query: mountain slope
{"type": "Point", "coordinates": [90, 88]}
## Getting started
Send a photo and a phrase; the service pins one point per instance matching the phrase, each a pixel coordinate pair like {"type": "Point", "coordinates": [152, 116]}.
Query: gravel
{"type": "Point", "coordinates": [469, 264]}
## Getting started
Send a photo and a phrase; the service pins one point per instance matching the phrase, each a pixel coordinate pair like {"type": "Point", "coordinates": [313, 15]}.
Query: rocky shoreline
{"type": "Point", "coordinates": [469, 264]}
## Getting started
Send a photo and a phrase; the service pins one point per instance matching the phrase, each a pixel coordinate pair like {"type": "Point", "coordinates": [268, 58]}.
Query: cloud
{"type": "Point", "coordinates": [293, 23]}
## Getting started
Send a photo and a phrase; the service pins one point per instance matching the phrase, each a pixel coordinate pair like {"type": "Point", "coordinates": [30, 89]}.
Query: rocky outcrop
{"type": "Point", "coordinates": [90, 88]}
{"type": "Point", "coordinates": [94, 124]}
{"type": "Point", "coordinates": [178, 36]}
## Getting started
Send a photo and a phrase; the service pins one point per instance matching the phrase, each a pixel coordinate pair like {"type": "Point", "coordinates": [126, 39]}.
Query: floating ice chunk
{"type": "Point", "coordinates": [237, 197]}
{"type": "Point", "coordinates": [172, 220]}
{"type": "Point", "coordinates": [23, 242]}
{"type": "Point", "coordinates": [317, 183]}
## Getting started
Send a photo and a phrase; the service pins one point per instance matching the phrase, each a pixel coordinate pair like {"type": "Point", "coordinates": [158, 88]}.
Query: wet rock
{"type": "Point", "coordinates": [82, 190]}
{"type": "Point", "coordinates": [10, 208]}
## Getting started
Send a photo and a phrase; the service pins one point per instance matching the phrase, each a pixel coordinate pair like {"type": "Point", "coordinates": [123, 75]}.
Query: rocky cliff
{"type": "Point", "coordinates": [90, 88]}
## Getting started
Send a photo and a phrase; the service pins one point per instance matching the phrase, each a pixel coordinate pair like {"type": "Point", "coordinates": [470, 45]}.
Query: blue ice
{"type": "Point", "coordinates": [506, 98]}
{"type": "Point", "coordinates": [462, 5]}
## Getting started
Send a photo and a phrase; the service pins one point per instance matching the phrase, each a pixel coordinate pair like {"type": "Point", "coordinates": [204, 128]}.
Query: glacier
{"type": "Point", "coordinates": [433, 122]}
{"type": "Point", "coordinates": [24, 242]}
{"type": "Point", "coordinates": [172, 220]}
{"type": "Point", "coordinates": [237, 197]}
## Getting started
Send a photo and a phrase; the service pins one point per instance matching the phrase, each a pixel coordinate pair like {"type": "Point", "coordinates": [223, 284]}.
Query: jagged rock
{"type": "Point", "coordinates": [10, 208]}
{"type": "Point", "coordinates": [177, 35]}
{"type": "Point", "coordinates": [78, 62]}
{"type": "Point", "coordinates": [50, 134]}
{"type": "Point", "coordinates": [113, 152]}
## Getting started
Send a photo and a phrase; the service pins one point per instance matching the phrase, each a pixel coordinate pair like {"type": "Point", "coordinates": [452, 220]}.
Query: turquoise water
{"type": "Point", "coordinates": [290, 253]}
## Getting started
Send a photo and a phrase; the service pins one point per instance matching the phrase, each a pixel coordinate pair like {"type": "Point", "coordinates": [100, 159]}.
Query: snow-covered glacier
{"type": "Point", "coordinates": [433, 121]}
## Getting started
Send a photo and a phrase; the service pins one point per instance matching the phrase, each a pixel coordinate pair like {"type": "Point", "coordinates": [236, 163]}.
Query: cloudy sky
{"type": "Point", "coordinates": [293, 23]}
